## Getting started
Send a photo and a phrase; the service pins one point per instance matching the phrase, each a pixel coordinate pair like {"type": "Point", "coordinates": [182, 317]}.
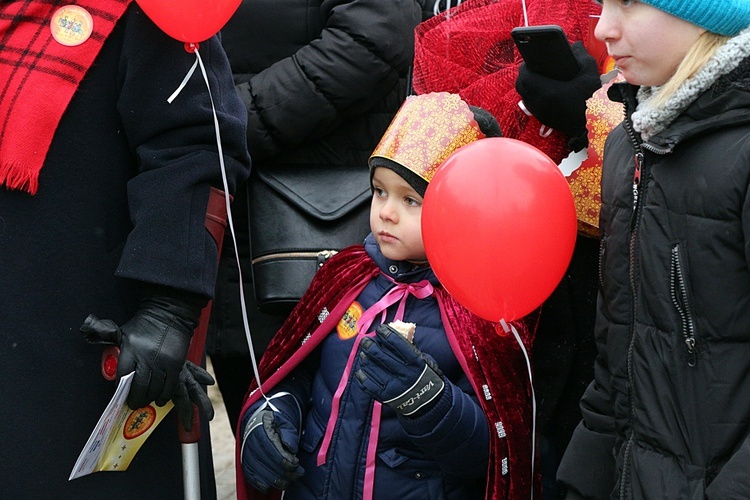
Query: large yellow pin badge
{"type": "Point", "coordinates": [347, 325]}
{"type": "Point", "coordinates": [71, 25]}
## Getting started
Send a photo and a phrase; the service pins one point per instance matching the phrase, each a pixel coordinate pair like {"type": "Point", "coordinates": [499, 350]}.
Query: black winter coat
{"type": "Point", "coordinates": [321, 81]}
{"type": "Point", "coordinates": [122, 198]}
{"type": "Point", "coordinates": [668, 414]}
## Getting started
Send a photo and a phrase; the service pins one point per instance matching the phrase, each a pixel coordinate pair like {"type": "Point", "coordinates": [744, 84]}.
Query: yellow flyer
{"type": "Point", "coordinates": [119, 433]}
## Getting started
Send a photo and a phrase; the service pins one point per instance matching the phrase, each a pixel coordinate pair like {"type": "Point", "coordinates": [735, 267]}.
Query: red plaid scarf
{"type": "Point", "coordinates": [38, 77]}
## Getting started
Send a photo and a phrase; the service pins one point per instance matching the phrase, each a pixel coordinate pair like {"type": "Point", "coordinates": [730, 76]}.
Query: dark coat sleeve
{"type": "Point", "coordinates": [176, 152]}
{"type": "Point", "coordinates": [357, 59]}
{"type": "Point", "coordinates": [588, 465]}
{"type": "Point", "coordinates": [454, 432]}
{"type": "Point", "coordinates": [733, 480]}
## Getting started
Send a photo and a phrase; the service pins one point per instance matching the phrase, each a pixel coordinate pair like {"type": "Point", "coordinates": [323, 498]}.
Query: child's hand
{"type": "Point", "coordinates": [269, 448]}
{"type": "Point", "coordinates": [394, 372]}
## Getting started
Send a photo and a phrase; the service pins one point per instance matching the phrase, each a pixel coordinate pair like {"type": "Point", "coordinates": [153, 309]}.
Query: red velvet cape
{"type": "Point", "coordinates": [492, 361]}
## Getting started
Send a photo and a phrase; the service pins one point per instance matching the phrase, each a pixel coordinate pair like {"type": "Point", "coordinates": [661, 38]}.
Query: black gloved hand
{"type": "Point", "coordinates": [393, 371]}
{"type": "Point", "coordinates": [270, 442]}
{"type": "Point", "coordinates": [561, 104]}
{"type": "Point", "coordinates": [154, 343]}
{"type": "Point", "coordinates": [189, 391]}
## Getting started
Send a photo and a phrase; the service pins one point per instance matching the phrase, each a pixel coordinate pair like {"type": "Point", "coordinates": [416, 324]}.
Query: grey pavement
{"type": "Point", "coordinates": [222, 442]}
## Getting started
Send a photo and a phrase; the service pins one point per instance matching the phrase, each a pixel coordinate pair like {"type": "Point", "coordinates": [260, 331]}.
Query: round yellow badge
{"type": "Point", "coordinates": [71, 25]}
{"type": "Point", "coordinates": [347, 326]}
{"type": "Point", "coordinates": [139, 421]}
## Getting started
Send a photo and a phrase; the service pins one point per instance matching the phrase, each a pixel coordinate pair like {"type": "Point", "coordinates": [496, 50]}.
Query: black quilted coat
{"type": "Point", "coordinates": [668, 414]}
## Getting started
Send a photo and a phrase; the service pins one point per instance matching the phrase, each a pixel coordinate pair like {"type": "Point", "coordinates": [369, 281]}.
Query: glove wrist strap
{"type": "Point", "coordinates": [428, 386]}
{"type": "Point", "coordinates": [256, 419]}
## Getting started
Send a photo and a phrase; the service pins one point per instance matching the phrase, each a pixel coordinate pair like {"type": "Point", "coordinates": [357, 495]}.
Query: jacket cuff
{"type": "Point", "coordinates": [427, 420]}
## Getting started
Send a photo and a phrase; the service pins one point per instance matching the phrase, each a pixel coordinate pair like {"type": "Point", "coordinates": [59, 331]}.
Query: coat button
{"type": "Point", "coordinates": [393, 269]}
{"type": "Point", "coordinates": [418, 475]}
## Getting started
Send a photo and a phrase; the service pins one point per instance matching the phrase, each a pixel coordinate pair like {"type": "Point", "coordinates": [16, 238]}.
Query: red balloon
{"type": "Point", "coordinates": [190, 21]}
{"type": "Point", "coordinates": [499, 227]}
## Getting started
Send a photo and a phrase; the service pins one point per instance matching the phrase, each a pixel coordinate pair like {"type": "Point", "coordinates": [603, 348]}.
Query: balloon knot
{"type": "Point", "coordinates": [502, 328]}
{"type": "Point", "coordinates": [191, 47]}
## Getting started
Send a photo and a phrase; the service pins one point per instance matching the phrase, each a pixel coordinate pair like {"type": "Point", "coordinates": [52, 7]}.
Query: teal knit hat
{"type": "Point", "coordinates": [725, 17]}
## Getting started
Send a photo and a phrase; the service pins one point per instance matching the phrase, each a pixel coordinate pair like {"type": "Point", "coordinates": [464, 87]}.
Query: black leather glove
{"type": "Point", "coordinates": [393, 371]}
{"type": "Point", "coordinates": [189, 391]}
{"type": "Point", "coordinates": [154, 343]}
{"type": "Point", "coordinates": [561, 104]}
{"type": "Point", "coordinates": [270, 440]}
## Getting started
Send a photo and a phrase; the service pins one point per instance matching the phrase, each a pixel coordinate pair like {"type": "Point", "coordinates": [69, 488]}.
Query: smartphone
{"type": "Point", "coordinates": [545, 50]}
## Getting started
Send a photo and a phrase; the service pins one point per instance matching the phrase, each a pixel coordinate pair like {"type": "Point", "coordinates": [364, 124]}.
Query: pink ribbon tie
{"type": "Point", "coordinates": [398, 293]}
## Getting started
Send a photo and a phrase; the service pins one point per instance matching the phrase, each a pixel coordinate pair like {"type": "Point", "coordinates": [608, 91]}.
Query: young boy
{"type": "Point", "coordinates": [352, 409]}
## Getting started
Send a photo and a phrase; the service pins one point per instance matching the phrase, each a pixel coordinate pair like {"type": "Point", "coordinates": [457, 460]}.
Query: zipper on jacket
{"type": "Point", "coordinates": [678, 290]}
{"type": "Point", "coordinates": [639, 189]}
{"type": "Point", "coordinates": [637, 175]}
{"type": "Point", "coordinates": [626, 454]}
{"type": "Point", "coordinates": [602, 253]}
{"type": "Point", "coordinates": [638, 193]}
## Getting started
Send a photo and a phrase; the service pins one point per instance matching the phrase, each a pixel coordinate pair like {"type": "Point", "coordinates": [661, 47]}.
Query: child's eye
{"type": "Point", "coordinates": [378, 192]}
{"type": "Point", "coordinates": [412, 202]}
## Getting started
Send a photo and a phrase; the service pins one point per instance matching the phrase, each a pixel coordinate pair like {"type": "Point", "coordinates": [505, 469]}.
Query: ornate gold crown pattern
{"type": "Point", "coordinates": [426, 130]}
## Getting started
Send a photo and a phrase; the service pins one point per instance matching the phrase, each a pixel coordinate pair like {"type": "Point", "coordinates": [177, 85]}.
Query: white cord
{"type": "Point", "coordinates": [509, 329]}
{"type": "Point", "coordinates": [436, 7]}
{"type": "Point", "coordinates": [227, 202]}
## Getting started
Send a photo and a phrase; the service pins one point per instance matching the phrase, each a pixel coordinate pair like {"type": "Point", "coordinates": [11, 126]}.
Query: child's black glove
{"type": "Point", "coordinates": [270, 440]}
{"type": "Point", "coordinates": [561, 104]}
{"type": "Point", "coordinates": [393, 371]}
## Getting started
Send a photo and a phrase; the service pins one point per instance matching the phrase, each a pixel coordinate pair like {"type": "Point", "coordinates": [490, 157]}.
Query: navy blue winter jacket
{"type": "Point", "coordinates": [411, 462]}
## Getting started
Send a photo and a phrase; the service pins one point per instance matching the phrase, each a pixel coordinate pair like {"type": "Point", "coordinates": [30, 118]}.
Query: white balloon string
{"type": "Point", "coordinates": [509, 329]}
{"type": "Point", "coordinates": [436, 7]}
{"type": "Point", "coordinates": [185, 80]}
{"type": "Point", "coordinates": [227, 202]}
{"type": "Point", "coordinates": [525, 13]}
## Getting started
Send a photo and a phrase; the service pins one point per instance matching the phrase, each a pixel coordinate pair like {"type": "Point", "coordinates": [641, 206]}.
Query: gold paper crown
{"type": "Point", "coordinates": [426, 130]}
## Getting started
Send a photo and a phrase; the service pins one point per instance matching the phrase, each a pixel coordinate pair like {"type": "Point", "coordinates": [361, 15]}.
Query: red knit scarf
{"type": "Point", "coordinates": [494, 364]}
{"type": "Point", "coordinates": [38, 77]}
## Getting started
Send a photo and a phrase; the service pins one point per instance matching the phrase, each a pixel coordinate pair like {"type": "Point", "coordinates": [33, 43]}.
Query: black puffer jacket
{"type": "Point", "coordinates": [320, 78]}
{"type": "Point", "coordinates": [668, 415]}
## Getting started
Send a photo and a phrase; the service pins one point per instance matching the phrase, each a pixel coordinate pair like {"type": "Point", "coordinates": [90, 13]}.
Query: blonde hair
{"type": "Point", "coordinates": [702, 50]}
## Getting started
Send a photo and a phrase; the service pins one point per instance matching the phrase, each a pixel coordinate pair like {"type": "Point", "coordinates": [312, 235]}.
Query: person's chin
{"type": "Point", "coordinates": [389, 252]}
